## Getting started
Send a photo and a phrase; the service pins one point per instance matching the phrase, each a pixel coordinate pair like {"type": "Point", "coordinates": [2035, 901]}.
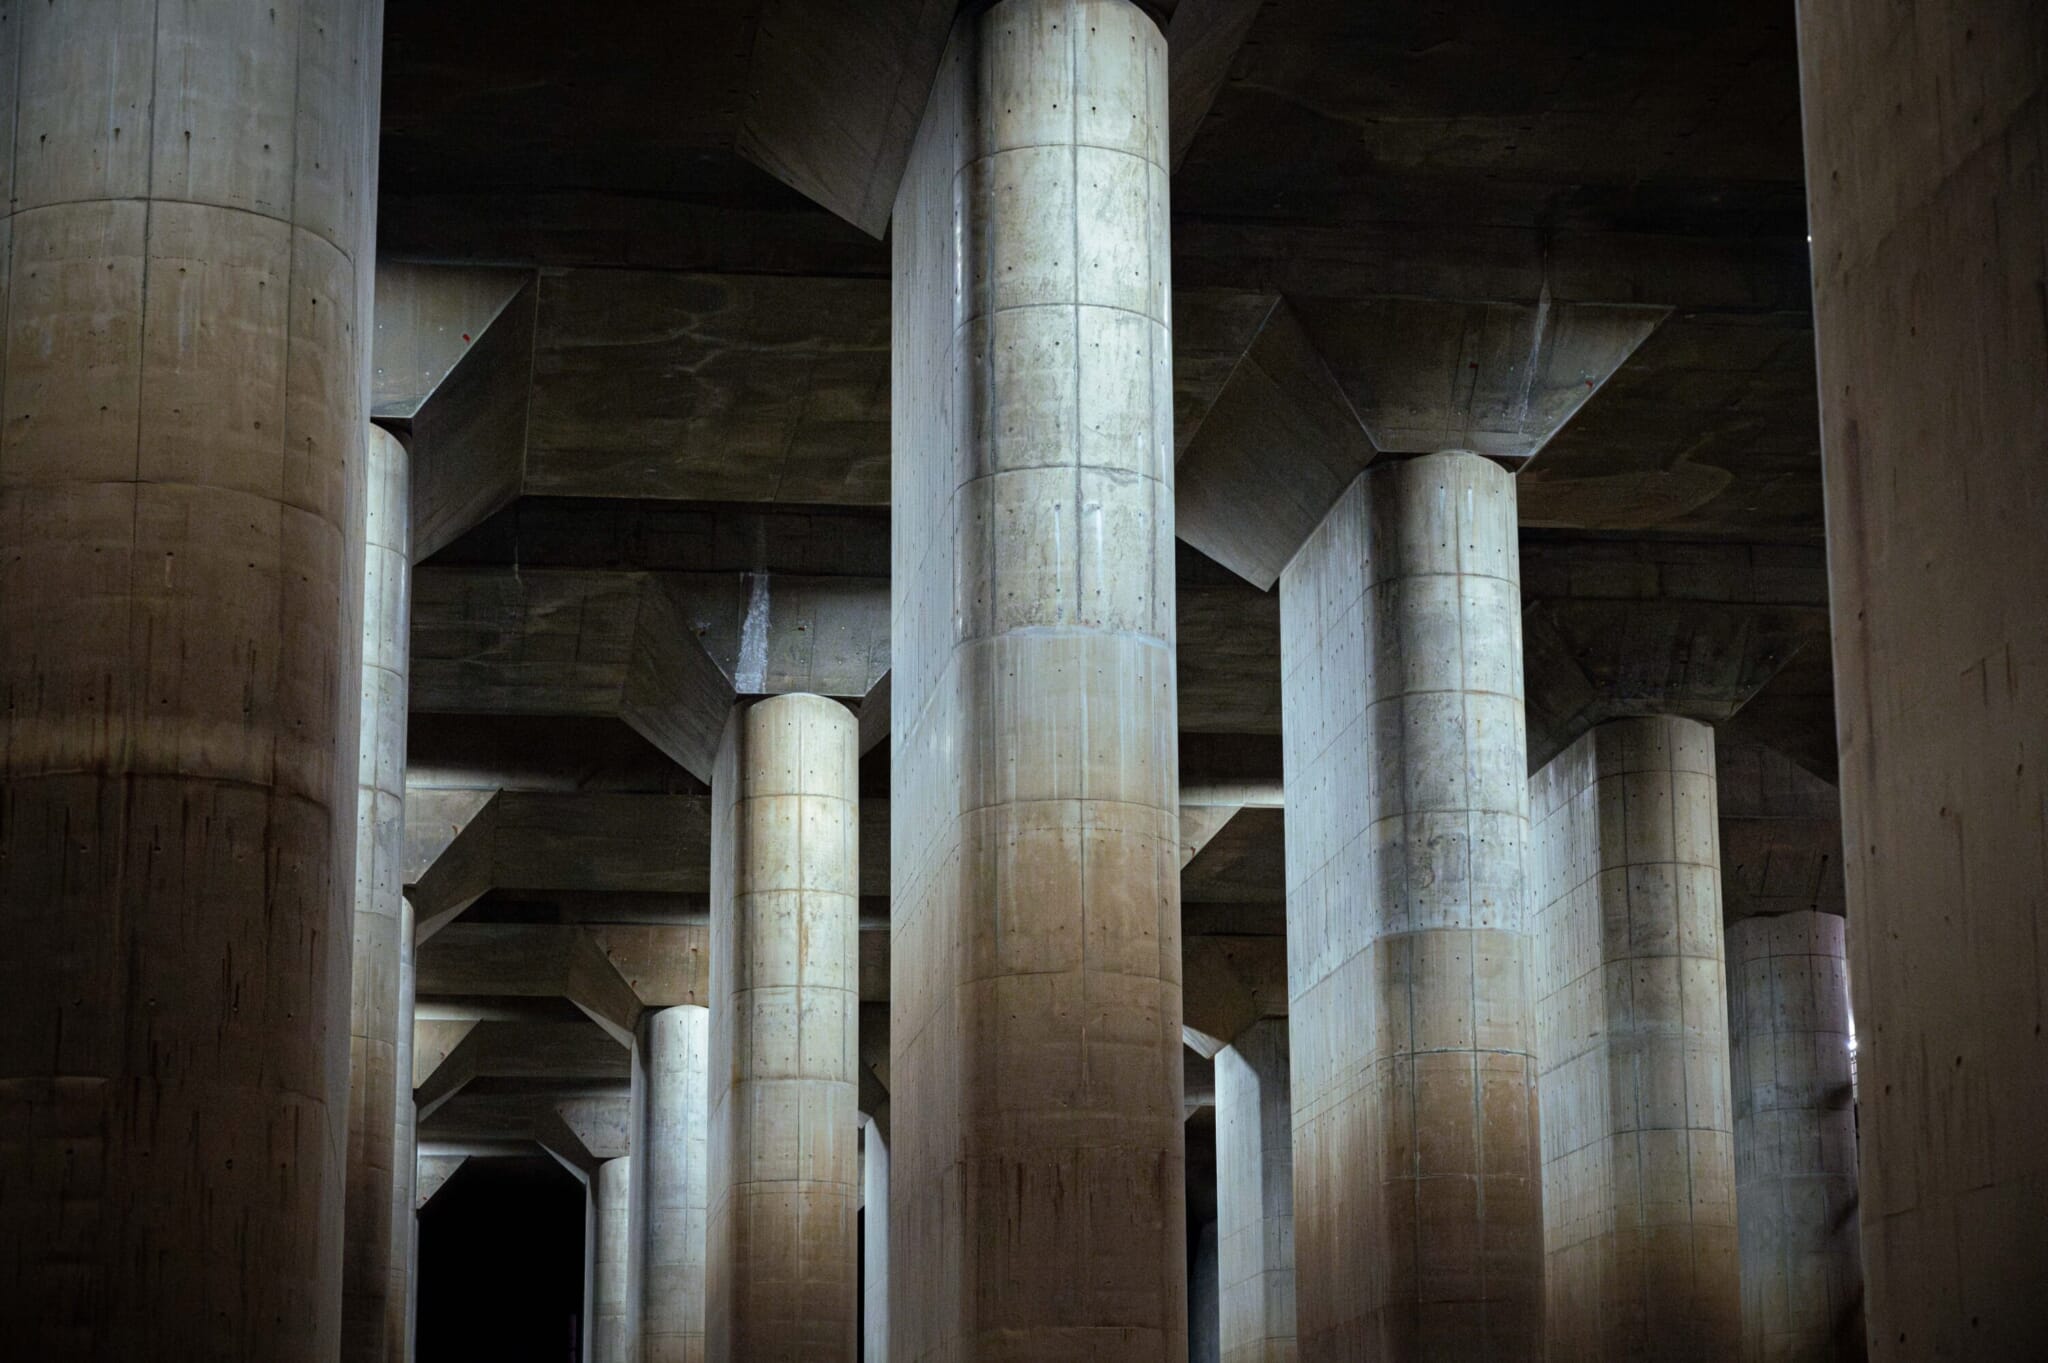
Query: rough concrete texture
{"type": "Point", "coordinates": [401, 1306]}
{"type": "Point", "coordinates": [377, 1006]}
{"type": "Point", "coordinates": [874, 1173]}
{"type": "Point", "coordinates": [1035, 953]}
{"type": "Point", "coordinates": [1255, 1196]}
{"type": "Point", "coordinates": [1418, 1225]}
{"type": "Point", "coordinates": [1781, 834]}
{"type": "Point", "coordinates": [784, 1255]}
{"type": "Point", "coordinates": [1795, 1140]}
{"type": "Point", "coordinates": [1632, 1048]}
{"type": "Point", "coordinates": [611, 1327]}
{"type": "Point", "coordinates": [187, 251]}
{"type": "Point", "coordinates": [1927, 164]}
{"type": "Point", "coordinates": [674, 1118]}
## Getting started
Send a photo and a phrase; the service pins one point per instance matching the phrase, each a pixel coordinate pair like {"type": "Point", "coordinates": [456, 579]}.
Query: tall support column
{"type": "Point", "coordinates": [784, 1279]}
{"type": "Point", "coordinates": [874, 1166]}
{"type": "Point", "coordinates": [188, 250]}
{"type": "Point", "coordinates": [1632, 1048]}
{"type": "Point", "coordinates": [377, 1002]}
{"type": "Point", "coordinates": [1255, 1196]}
{"type": "Point", "coordinates": [1926, 175]}
{"type": "Point", "coordinates": [1035, 957]}
{"type": "Point", "coordinates": [1418, 1226]}
{"type": "Point", "coordinates": [611, 1333]}
{"type": "Point", "coordinates": [402, 1304]}
{"type": "Point", "coordinates": [671, 1151]}
{"type": "Point", "coordinates": [1795, 1140]}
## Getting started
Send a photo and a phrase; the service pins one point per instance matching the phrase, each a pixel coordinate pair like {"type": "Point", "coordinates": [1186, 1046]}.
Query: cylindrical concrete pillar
{"type": "Point", "coordinates": [188, 247]}
{"type": "Point", "coordinates": [1418, 1224]}
{"type": "Point", "coordinates": [1632, 1028]}
{"type": "Point", "coordinates": [1035, 881]}
{"type": "Point", "coordinates": [1255, 1196]}
{"type": "Point", "coordinates": [611, 1336]}
{"type": "Point", "coordinates": [784, 1262]}
{"type": "Point", "coordinates": [1795, 1140]}
{"type": "Point", "coordinates": [403, 1300]}
{"type": "Point", "coordinates": [671, 1151]}
{"type": "Point", "coordinates": [874, 1172]}
{"type": "Point", "coordinates": [377, 1006]}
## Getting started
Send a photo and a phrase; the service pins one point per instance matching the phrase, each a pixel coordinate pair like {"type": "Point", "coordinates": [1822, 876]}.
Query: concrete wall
{"type": "Point", "coordinates": [1926, 136]}
{"type": "Point", "coordinates": [1795, 1140]}
{"type": "Point", "coordinates": [188, 245]}
{"type": "Point", "coordinates": [1035, 1044]}
{"type": "Point", "coordinates": [1632, 1027]}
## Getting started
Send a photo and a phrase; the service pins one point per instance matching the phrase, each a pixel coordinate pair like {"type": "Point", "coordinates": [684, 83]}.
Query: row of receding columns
{"type": "Point", "coordinates": [731, 1230]}
{"type": "Point", "coordinates": [177, 650]}
{"type": "Point", "coordinates": [1698, 1142]}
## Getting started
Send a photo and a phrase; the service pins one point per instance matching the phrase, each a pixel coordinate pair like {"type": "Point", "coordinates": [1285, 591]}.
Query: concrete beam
{"type": "Point", "coordinates": [1277, 449]}
{"type": "Point", "coordinates": [1621, 629]}
{"type": "Point", "coordinates": [1200, 823]}
{"type": "Point", "coordinates": [451, 848]}
{"type": "Point", "coordinates": [1230, 983]}
{"type": "Point", "coordinates": [1203, 39]}
{"type": "Point", "coordinates": [552, 1132]}
{"type": "Point", "coordinates": [834, 96]}
{"type": "Point", "coordinates": [1498, 378]}
{"type": "Point", "coordinates": [569, 642]}
{"type": "Point", "coordinates": [664, 966]}
{"type": "Point", "coordinates": [561, 840]}
{"type": "Point", "coordinates": [434, 1173]}
{"type": "Point", "coordinates": [673, 694]}
{"type": "Point", "coordinates": [454, 377]}
{"type": "Point", "coordinates": [434, 1039]}
{"type": "Point", "coordinates": [874, 715]}
{"type": "Point", "coordinates": [529, 960]}
{"type": "Point", "coordinates": [524, 1050]}
{"type": "Point", "coordinates": [581, 1124]}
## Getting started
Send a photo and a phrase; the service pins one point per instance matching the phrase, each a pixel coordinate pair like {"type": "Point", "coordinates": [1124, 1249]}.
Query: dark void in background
{"type": "Point", "coordinates": [501, 1265]}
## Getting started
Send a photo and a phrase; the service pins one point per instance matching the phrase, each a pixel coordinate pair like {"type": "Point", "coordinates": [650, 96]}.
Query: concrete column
{"type": "Point", "coordinates": [402, 1304]}
{"type": "Point", "coordinates": [874, 1165]}
{"type": "Point", "coordinates": [377, 1005]}
{"type": "Point", "coordinates": [188, 252]}
{"type": "Point", "coordinates": [1418, 1226]}
{"type": "Point", "coordinates": [1255, 1196]}
{"type": "Point", "coordinates": [671, 1148]}
{"type": "Point", "coordinates": [611, 1335]}
{"type": "Point", "coordinates": [1035, 958]}
{"type": "Point", "coordinates": [1925, 136]}
{"type": "Point", "coordinates": [1795, 1140]}
{"type": "Point", "coordinates": [784, 1262]}
{"type": "Point", "coordinates": [1632, 1048]}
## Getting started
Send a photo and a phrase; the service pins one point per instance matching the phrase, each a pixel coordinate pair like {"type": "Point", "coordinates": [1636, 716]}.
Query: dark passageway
{"type": "Point", "coordinates": [501, 1265]}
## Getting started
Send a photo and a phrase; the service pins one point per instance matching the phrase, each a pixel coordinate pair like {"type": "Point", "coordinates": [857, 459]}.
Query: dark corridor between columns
{"type": "Point", "coordinates": [501, 1265]}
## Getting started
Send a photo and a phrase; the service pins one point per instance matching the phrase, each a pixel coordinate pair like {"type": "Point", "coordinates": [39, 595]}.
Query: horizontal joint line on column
{"type": "Point", "coordinates": [1099, 307]}
{"type": "Point", "coordinates": [172, 199]}
{"type": "Point", "coordinates": [1067, 632]}
{"type": "Point", "coordinates": [1068, 800]}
